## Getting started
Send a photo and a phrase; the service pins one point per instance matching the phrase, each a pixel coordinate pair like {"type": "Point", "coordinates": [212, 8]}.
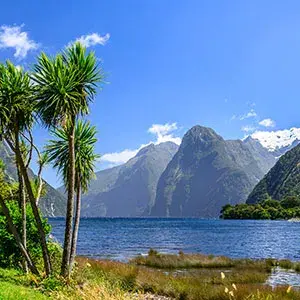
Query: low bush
{"type": "Point", "coordinates": [10, 255]}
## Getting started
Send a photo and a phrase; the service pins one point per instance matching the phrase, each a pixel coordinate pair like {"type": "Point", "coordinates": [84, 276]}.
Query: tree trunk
{"type": "Point", "coordinates": [76, 223]}
{"type": "Point", "coordinates": [65, 264]}
{"type": "Point", "coordinates": [41, 232]}
{"type": "Point", "coordinates": [14, 231]}
{"type": "Point", "coordinates": [22, 199]}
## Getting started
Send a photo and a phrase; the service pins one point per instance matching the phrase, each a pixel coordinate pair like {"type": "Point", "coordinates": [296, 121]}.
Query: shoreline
{"type": "Point", "coordinates": [160, 277]}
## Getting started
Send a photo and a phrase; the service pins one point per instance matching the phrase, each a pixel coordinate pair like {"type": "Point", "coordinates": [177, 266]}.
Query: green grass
{"type": "Point", "coordinates": [199, 261]}
{"type": "Point", "coordinates": [11, 291]}
{"type": "Point", "coordinates": [15, 286]}
{"type": "Point", "coordinates": [205, 283]}
{"type": "Point", "coordinates": [109, 280]}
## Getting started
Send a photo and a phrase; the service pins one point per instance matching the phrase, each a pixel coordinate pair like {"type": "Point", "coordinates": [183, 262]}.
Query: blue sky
{"type": "Point", "coordinates": [230, 65]}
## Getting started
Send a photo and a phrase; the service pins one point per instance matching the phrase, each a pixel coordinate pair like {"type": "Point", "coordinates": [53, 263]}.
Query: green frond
{"type": "Point", "coordinates": [66, 84]}
{"type": "Point", "coordinates": [17, 103]}
{"type": "Point", "coordinates": [85, 159]}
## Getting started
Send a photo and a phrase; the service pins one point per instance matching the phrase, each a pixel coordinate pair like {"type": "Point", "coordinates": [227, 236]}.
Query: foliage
{"type": "Point", "coordinates": [16, 98]}
{"type": "Point", "coordinates": [58, 152]}
{"type": "Point", "coordinates": [65, 84]}
{"type": "Point", "coordinates": [10, 255]}
{"type": "Point", "coordinates": [268, 209]}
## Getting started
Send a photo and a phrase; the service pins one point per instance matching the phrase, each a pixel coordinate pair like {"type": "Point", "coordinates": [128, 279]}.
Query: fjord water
{"type": "Point", "coordinates": [123, 238]}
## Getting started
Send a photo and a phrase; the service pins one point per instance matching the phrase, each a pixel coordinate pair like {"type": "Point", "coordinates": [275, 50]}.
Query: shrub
{"type": "Point", "coordinates": [152, 252]}
{"type": "Point", "coordinates": [10, 255]}
{"type": "Point", "coordinates": [285, 264]}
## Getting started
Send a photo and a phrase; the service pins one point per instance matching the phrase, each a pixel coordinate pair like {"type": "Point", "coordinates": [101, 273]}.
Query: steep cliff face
{"type": "Point", "coordinates": [130, 189]}
{"type": "Point", "coordinates": [206, 173]}
{"type": "Point", "coordinates": [281, 181]}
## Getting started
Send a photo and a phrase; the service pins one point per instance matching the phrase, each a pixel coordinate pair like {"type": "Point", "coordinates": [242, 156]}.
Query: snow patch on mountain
{"type": "Point", "coordinates": [274, 140]}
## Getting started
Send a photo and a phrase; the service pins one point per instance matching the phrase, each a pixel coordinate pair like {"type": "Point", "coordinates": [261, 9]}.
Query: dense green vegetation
{"type": "Point", "coordinates": [10, 255]}
{"type": "Point", "coordinates": [57, 94]}
{"type": "Point", "coordinates": [268, 209]}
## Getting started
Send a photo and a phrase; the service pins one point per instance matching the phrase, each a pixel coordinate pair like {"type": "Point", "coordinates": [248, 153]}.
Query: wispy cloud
{"type": "Point", "coordinates": [162, 132]}
{"type": "Point", "coordinates": [267, 123]}
{"type": "Point", "coordinates": [250, 114]}
{"type": "Point", "coordinates": [117, 158]}
{"type": "Point", "coordinates": [14, 37]}
{"type": "Point", "coordinates": [93, 39]}
{"type": "Point", "coordinates": [248, 128]}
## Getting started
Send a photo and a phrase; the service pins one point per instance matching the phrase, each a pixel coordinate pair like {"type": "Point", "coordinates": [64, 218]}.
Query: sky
{"type": "Point", "coordinates": [170, 64]}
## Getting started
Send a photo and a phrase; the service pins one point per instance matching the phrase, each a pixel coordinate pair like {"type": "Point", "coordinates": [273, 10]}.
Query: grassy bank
{"type": "Point", "coordinates": [179, 276]}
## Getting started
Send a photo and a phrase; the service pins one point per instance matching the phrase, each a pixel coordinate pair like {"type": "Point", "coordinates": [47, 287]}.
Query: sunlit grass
{"type": "Point", "coordinates": [213, 278]}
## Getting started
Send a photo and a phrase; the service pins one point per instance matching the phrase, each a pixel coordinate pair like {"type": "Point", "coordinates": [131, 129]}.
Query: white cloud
{"type": "Point", "coordinates": [163, 133]}
{"type": "Point", "coordinates": [250, 114]}
{"type": "Point", "coordinates": [117, 158]}
{"type": "Point", "coordinates": [14, 37]}
{"type": "Point", "coordinates": [273, 140]}
{"type": "Point", "coordinates": [248, 128]}
{"type": "Point", "coordinates": [267, 123]}
{"type": "Point", "coordinates": [93, 39]}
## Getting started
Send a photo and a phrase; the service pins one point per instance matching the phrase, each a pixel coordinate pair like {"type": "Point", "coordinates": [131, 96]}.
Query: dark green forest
{"type": "Point", "coordinates": [268, 209]}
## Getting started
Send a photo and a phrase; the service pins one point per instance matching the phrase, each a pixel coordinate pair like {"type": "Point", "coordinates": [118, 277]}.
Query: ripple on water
{"type": "Point", "coordinates": [121, 238]}
{"type": "Point", "coordinates": [281, 276]}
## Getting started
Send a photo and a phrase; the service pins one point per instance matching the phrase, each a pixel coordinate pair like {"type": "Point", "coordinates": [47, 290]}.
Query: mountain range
{"type": "Point", "coordinates": [280, 141]}
{"type": "Point", "coordinates": [281, 181]}
{"type": "Point", "coordinates": [208, 172]}
{"type": "Point", "coordinates": [194, 179]}
{"type": "Point", "coordinates": [130, 189]}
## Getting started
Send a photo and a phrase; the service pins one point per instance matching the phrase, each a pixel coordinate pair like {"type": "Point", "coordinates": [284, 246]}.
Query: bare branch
{"type": "Point", "coordinates": [40, 163]}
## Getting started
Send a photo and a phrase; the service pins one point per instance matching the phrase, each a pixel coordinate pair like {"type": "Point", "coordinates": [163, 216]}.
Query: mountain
{"type": "Point", "coordinates": [130, 189]}
{"type": "Point", "coordinates": [53, 203]}
{"type": "Point", "coordinates": [208, 172]}
{"type": "Point", "coordinates": [282, 180]}
{"type": "Point", "coordinates": [280, 141]}
{"type": "Point", "coordinates": [264, 158]}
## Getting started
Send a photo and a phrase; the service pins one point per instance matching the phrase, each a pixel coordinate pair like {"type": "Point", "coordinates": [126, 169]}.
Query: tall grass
{"type": "Point", "coordinates": [198, 277]}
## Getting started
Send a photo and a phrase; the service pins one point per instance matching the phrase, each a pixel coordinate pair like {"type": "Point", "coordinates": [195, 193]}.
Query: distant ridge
{"type": "Point", "coordinates": [280, 141]}
{"type": "Point", "coordinates": [281, 181]}
{"type": "Point", "coordinates": [208, 172]}
{"type": "Point", "coordinates": [130, 189]}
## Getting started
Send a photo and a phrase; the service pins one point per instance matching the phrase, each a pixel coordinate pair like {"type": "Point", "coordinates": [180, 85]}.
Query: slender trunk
{"type": "Point", "coordinates": [76, 223]}
{"type": "Point", "coordinates": [65, 264]}
{"type": "Point", "coordinates": [41, 232]}
{"type": "Point", "coordinates": [22, 200]}
{"type": "Point", "coordinates": [14, 231]}
{"type": "Point", "coordinates": [39, 189]}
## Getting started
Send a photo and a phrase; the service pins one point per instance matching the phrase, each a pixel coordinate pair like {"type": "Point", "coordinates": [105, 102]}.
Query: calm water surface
{"type": "Point", "coordinates": [122, 238]}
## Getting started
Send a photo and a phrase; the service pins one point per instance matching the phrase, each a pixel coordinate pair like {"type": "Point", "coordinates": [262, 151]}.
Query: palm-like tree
{"type": "Point", "coordinates": [16, 116]}
{"type": "Point", "coordinates": [57, 152]}
{"type": "Point", "coordinates": [66, 84]}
